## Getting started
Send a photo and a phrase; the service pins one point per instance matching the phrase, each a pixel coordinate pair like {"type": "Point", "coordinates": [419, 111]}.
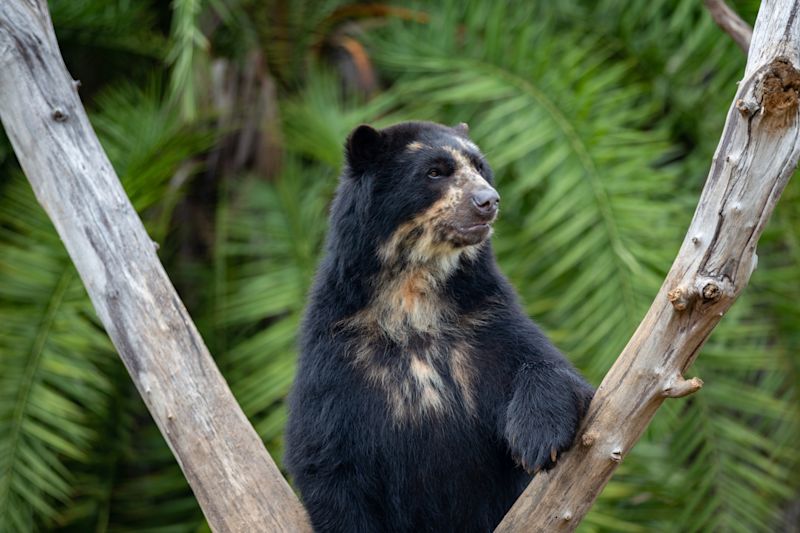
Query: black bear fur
{"type": "Point", "coordinates": [425, 398]}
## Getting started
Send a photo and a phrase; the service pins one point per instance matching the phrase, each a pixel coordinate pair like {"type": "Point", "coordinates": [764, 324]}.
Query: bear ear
{"type": "Point", "coordinates": [363, 147]}
{"type": "Point", "coordinates": [462, 128]}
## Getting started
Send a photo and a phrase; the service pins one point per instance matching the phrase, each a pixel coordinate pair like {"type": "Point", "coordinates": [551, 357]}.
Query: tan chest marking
{"type": "Point", "coordinates": [422, 391]}
{"type": "Point", "coordinates": [429, 384]}
{"type": "Point", "coordinates": [409, 304]}
{"type": "Point", "coordinates": [462, 369]}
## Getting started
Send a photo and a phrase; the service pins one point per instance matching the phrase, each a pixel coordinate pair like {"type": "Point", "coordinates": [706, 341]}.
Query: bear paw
{"type": "Point", "coordinates": [541, 426]}
{"type": "Point", "coordinates": [543, 453]}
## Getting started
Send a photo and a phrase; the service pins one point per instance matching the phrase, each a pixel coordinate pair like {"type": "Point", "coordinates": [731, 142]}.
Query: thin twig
{"type": "Point", "coordinates": [730, 22]}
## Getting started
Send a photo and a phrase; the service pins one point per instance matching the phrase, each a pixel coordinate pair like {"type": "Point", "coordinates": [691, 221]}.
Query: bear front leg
{"type": "Point", "coordinates": [548, 402]}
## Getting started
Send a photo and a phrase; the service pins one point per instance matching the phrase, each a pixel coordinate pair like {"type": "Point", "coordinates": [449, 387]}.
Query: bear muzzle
{"type": "Point", "coordinates": [476, 224]}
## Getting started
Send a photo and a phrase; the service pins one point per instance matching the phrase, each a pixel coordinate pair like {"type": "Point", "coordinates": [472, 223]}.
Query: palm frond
{"type": "Point", "coordinates": [189, 46]}
{"type": "Point", "coordinates": [51, 388]}
{"type": "Point", "coordinates": [734, 445]}
{"type": "Point", "coordinates": [149, 492]}
{"type": "Point", "coordinates": [288, 31]}
{"type": "Point", "coordinates": [272, 234]}
{"type": "Point", "coordinates": [108, 24]}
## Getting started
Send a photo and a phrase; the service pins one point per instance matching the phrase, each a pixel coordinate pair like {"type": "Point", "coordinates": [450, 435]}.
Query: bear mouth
{"type": "Point", "coordinates": [479, 227]}
{"type": "Point", "coordinates": [471, 234]}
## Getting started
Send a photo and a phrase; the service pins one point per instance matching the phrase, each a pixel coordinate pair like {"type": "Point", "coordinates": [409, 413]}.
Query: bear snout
{"type": "Point", "coordinates": [485, 202]}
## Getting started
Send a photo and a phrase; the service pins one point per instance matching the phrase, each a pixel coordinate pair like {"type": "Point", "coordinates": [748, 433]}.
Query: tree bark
{"type": "Point", "coordinates": [235, 480]}
{"type": "Point", "coordinates": [756, 156]}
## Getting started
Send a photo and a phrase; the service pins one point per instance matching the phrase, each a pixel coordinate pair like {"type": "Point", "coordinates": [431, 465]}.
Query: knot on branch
{"type": "Point", "coordinates": [59, 115]}
{"type": "Point", "coordinates": [712, 289]}
{"type": "Point", "coordinates": [747, 107]}
{"type": "Point", "coordinates": [780, 93]}
{"type": "Point", "coordinates": [680, 387]}
{"type": "Point", "coordinates": [711, 292]}
{"type": "Point", "coordinates": [679, 297]}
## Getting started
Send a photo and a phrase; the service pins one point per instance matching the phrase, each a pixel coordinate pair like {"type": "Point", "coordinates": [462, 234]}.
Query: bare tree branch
{"type": "Point", "coordinates": [730, 22]}
{"type": "Point", "coordinates": [756, 156]}
{"type": "Point", "coordinates": [235, 480]}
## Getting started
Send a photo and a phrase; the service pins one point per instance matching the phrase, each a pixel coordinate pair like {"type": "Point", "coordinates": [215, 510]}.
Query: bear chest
{"type": "Point", "coordinates": [421, 379]}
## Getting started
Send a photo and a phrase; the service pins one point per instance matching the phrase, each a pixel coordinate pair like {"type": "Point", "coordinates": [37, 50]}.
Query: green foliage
{"type": "Point", "coordinates": [266, 229]}
{"type": "Point", "coordinates": [290, 32]}
{"type": "Point", "coordinates": [51, 386]}
{"type": "Point", "coordinates": [600, 120]}
{"type": "Point", "coordinates": [119, 25]}
{"type": "Point", "coordinates": [189, 46]}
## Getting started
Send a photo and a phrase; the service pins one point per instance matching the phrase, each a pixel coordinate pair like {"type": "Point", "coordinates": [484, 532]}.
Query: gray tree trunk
{"type": "Point", "coordinates": [232, 475]}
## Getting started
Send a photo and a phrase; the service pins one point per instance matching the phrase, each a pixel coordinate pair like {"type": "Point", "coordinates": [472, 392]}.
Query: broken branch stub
{"type": "Point", "coordinates": [233, 477]}
{"type": "Point", "coordinates": [757, 154]}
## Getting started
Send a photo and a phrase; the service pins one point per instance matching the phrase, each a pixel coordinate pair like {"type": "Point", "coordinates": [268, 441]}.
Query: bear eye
{"type": "Point", "coordinates": [434, 173]}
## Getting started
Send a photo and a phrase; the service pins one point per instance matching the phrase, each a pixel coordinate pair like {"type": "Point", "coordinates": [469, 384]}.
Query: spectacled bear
{"type": "Point", "coordinates": [425, 398]}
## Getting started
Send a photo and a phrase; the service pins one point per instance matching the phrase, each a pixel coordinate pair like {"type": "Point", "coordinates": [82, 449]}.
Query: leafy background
{"type": "Point", "coordinates": [225, 121]}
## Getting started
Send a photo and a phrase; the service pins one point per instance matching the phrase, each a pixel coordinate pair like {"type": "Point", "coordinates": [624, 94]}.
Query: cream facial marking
{"type": "Point", "coordinates": [465, 174]}
{"type": "Point", "coordinates": [416, 241]}
{"type": "Point", "coordinates": [416, 146]}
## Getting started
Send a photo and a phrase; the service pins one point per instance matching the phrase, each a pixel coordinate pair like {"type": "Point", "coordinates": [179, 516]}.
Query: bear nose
{"type": "Point", "coordinates": [485, 201]}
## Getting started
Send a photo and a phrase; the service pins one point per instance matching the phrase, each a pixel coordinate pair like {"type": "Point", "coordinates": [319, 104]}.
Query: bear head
{"type": "Point", "coordinates": [425, 191]}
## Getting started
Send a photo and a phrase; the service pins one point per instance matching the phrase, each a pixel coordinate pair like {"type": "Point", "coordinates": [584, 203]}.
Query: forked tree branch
{"type": "Point", "coordinates": [232, 475]}
{"type": "Point", "coordinates": [730, 22]}
{"type": "Point", "coordinates": [756, 156]}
